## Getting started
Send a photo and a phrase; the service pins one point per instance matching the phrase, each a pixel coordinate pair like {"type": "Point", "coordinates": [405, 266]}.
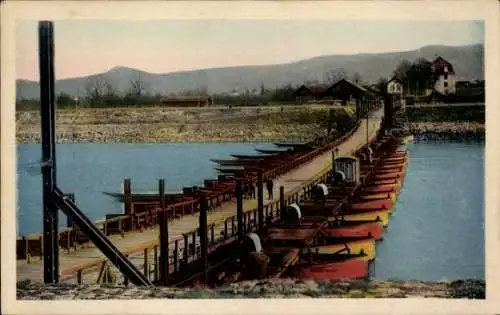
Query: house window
{"type": "Point", "coordinates": [445, 84]}
{"type": "Point", "coordinates": [446, 75]}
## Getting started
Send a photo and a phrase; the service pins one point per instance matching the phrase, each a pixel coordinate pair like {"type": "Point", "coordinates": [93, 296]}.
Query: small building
{"type": "Point", "coordinates": [185, 101]}
{"type": "Point", "coordinates": [373, 88]}
{"type": "Point", "coordinates": [310, 93]}
{"type": "Point", "coordinates": [444, 76]}
{"type": "Point", "coordinates": [347, 92]}
{"type": "Point", "coordinates": [395, 86]}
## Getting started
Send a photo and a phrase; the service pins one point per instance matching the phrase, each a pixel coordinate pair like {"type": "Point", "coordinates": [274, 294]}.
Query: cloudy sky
{"type": "Point", "coordinates": [85, 47]}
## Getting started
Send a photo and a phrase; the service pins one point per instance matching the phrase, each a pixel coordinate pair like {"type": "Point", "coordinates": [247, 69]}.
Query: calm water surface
{"type": "Point", "coordinates": [88, 170]}
{"type": "Point", "coordinates": [436, 232]}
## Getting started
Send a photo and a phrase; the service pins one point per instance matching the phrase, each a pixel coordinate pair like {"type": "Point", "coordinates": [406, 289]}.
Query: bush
{"type": "Point", "coordinates": [470, 289]}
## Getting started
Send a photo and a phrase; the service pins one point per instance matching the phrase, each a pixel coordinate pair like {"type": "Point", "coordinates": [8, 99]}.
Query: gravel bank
{"type": "Point", "coordinates": [448, 130]}
{"type": "Point", "coordinates": [153, 125]}
{"type": "Point", "coordinates": [283, 288]}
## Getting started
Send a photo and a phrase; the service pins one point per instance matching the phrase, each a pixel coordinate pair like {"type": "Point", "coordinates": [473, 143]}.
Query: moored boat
{"type": "Point", "coordinates": [342, 228]}
{"type": "Point", "coordinates": [275, 152]}
{"type": "Point", "coordinates": [378, 196]}
{"type": "Point", "coordinates": [252, 157]}
{"type": "Point", "coordinates": [366, 215]}
{"type": "Point", "coordinates": [386, 204]}
{"type": "Point", "coordinates": [343, 267]}
{"type": "Point", "coordinates": [379, 189]}
{"type": "Point", "coordinates": [351, 245]}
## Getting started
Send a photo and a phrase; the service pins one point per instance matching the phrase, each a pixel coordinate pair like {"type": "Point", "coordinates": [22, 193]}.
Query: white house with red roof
{"type": "Point", "coordinates": [444, 75]}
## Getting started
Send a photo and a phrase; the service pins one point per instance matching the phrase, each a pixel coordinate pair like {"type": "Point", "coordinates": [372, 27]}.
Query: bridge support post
{"type": "Point", "coordinates": [282, 202]}
{"type": "Point", "coordinates": [48, 116]}
{"type": "Point", "coordinates": [127, 191]}
{"type": "Point", "coordinates": [203, 236]}
{"type": "Point", "coordinates": [239, 210]}
{"type": "Point", "coordinates": [69, 222]}
{"type": "Point", "coordinates": [388, 111]}
{"type": "Point", "coordinates": [164, 263]}
{"type": "Point", "coordinates": [358, 110]}
{"type": "Point", "coordinates": [260, 198]}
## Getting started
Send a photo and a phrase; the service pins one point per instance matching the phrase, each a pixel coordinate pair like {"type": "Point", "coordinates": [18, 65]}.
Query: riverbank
{"type": "Point", "coordinates": [282, 288]}
{"type": "Point", "coordinates": [223, 124]}
{"type": "Point", "coordinates": [448, 130]}
{"type": "Point", "coordinates": [167, 125]}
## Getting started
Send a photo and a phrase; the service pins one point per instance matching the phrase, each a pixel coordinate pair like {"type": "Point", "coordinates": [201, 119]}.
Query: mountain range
{"type": "Point", "coordinates": [468, 63]}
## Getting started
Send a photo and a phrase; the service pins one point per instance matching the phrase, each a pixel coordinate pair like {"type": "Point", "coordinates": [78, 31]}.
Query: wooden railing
{"type": "Point", "coordinates": [187, 250]}
{"type": "Point", "coordinates": [72, 238]}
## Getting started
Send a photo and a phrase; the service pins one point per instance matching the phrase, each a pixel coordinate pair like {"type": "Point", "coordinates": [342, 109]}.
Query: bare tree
{"type": "Point", "coordinates": [109, 88]}
{"type": "Point", "coordinates": [137, 85]}
{"type": "Point", "coordinates": [335, 75]}
{"type": "Point", "coordinates": [95, 88]}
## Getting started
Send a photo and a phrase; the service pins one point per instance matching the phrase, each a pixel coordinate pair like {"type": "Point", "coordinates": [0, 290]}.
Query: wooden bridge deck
{"type": "Point", "coordinates": [72, 260]}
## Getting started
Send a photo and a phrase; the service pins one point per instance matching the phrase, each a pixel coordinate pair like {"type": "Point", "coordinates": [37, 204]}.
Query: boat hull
{"type": "Point", "coordinates": [382, 215]}
{"type": "Point", "coordinates": [379, 196]}
{"type": "Point", "coordinates": [380, 189]}
{"type": "Point", "coordinates": [372, 229]}
{"type": "Point", "coordinates": [356, 247]}
{"type": "Point", "coordinates": [386, 204]}
{"type": "Point", "coordinates": [349, 269]}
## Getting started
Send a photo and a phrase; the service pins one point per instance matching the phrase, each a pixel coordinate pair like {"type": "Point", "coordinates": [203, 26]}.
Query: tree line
{"type": "Point", "coordinates": [100, 92]}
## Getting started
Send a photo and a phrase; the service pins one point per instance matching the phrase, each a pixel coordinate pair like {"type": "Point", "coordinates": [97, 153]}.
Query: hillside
{"type": "Point", "coordinates": [468, 62]}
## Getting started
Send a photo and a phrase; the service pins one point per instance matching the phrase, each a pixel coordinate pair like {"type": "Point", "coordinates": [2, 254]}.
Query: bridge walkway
{"type": "Point", "coordinates": [70, 262]}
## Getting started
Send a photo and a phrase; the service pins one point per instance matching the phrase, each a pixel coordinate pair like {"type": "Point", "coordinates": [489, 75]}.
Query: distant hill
{"type": "Point", "coordinates": [468, 62]}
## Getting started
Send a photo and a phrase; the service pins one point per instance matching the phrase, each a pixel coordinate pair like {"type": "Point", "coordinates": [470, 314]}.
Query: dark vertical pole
{"type": "Point", "coordinates": [186, 248]}
{"type": "Point", "coordinates": [388, 111]}
{"type": "Point", "coordinates": [69, 222]}
{"type": "Point", "coordinates": [47, 111]}
{"type": "Point", "coordinates": [282, 201]}
{"type": "Point", "coordinates": [203, 236]}
{"type": "Point", "coordinates": [358, 110]}
{"type": "Point", "coordinates": [176, 256]}
{"type": "Point", "coordinates": [164, 266]}
{"type": "Point", "coordinates": [260, 198]}
{"type": "Point", "coordinates": [126, 195]}
{"type": "Point", "coordinates": [334, 155]}
{"type": "Point", "coordinates": [367, 127]}
{"type": "Point", "coordinates": [239, 210]}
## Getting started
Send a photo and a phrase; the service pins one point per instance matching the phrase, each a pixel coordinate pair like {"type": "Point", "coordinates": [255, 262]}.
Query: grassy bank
{"type": "Point", "coordinates": [282, 288]}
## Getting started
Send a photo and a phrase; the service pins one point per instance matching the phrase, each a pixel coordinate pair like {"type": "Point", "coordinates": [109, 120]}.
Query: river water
{"type": "Point", "coordinates": [436, 232]}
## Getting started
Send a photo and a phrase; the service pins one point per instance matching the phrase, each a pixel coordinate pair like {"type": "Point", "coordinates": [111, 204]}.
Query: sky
{"type": "Point", "coordinates": [84, 47]}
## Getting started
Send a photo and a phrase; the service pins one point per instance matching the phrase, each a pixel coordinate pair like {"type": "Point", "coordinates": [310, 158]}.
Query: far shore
{"type": "Point", "coordinates": [203, 125]}
{"type": "Point", "coordinates": [107, 134]}
{"type": "Point", "coordinates": [448, 131]}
